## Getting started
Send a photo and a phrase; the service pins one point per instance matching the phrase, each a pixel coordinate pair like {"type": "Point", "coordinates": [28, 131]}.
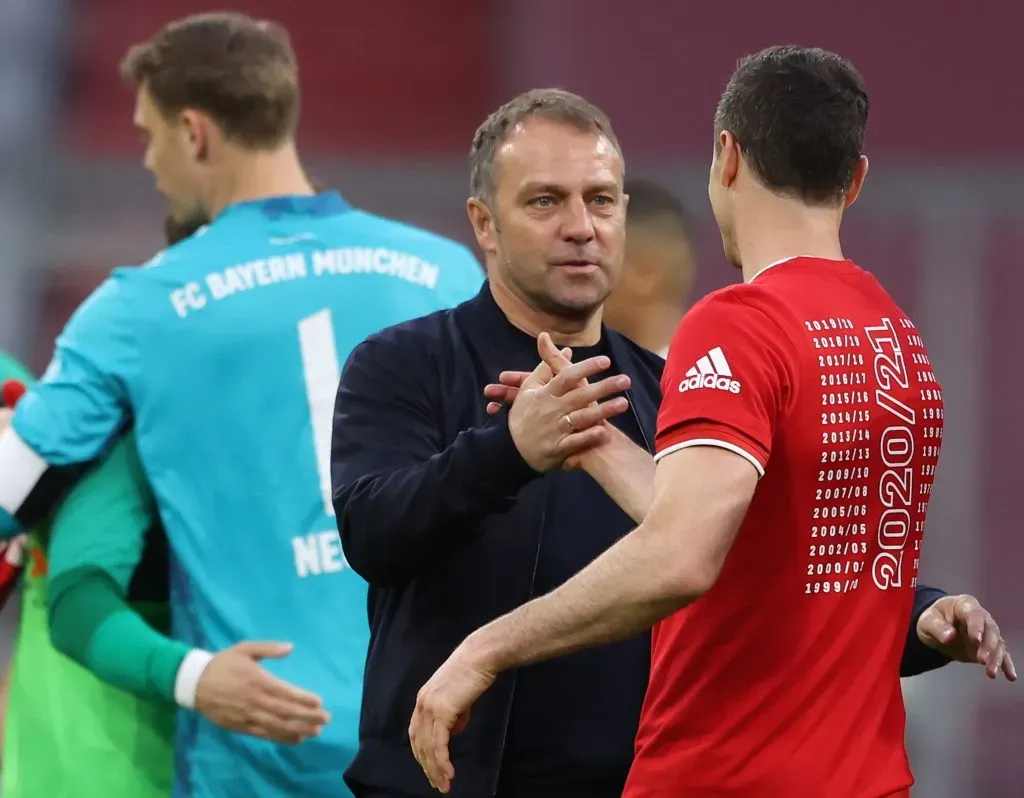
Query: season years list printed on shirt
{"type": "Point", "coordinates": [838, 542]}
{"type": "Point", "coordinates": [923, 457]}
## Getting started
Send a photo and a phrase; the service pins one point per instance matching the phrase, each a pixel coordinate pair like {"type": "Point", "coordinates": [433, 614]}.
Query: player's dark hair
{"type": "Point", "coordinates": [176, 230]}
{"type": "Point", "coordinates": [798, 115]}
{"type": "Point", "coordinates": [239, 70]}
{"type": "Point", "coordinates": [650, 201]}
{"type": "Point", "coordinates": [553, 104]}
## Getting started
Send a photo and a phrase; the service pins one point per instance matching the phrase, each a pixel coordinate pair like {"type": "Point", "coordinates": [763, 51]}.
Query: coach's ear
{"type": "Point", "coordinates": [484, 225]}
{"type": "Point", "coordinates": [860, 174]}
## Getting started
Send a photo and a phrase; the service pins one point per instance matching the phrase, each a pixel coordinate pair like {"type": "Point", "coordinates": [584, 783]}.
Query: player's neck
{"type": "Point", "coordinates": [787, 229]}
{"type": "Point", "coordinates": [249, 176]}
{"type": "Point", "coordinates": [564, 332]}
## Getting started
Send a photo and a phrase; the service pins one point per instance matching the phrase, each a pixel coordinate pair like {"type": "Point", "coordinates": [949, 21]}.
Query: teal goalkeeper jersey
{"type": "Point", "coordinates": [225, 350]}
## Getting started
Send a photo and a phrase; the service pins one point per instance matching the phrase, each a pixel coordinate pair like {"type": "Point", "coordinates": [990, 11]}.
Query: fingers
{"type": "Point", "coordinates": [538, 377]}
{"type": "Point", "coordinates": [512, 379]}
{"type": "Point", "coordinates": [990, 642]}
{"type": "Point", "coordinates": [590, 393]}
{"type": "Point", "coordinates": [501, 393]}
{"type": "Point", "coordinates": [279, 729]}
{"type": "Point", "coordinates": [581, 441]}
{"type": "Point", "coordinates": [296, 696]}
{"type": "Point", "coordinates": [595, 414]}
{"type": "Point", "coordinates": [264, 650]}
{"type": "Point", "coordinates": [296, 712]}
{"type": "Point", "coordinates": [1009, 670]}
{"type": "Point", "coordinates": [572, 375]}
{"type": "Point", "coordinates": [557, 360]}
{"type": "Point", "coordinates": [422, 730]}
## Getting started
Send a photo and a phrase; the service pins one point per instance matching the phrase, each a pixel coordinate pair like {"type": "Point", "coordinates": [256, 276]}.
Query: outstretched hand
{"type": "Point", "coordinates": [963, 630]}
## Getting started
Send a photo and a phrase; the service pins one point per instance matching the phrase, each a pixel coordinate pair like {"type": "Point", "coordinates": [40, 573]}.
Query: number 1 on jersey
{"type": "Point", "coordinates": [322, 373]}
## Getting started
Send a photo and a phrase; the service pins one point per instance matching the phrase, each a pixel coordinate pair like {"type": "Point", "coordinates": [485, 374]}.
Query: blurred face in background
{"type": "Point", "coordinates": [172, 155]}
{"type": "Point", "coordinates": [659, 271]}
{"type": "Point", "coordinates": [554, 230]}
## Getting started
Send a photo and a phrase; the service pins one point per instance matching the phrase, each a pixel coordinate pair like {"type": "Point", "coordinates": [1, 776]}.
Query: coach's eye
{"type": "Point", "coordinates": [542, 202]}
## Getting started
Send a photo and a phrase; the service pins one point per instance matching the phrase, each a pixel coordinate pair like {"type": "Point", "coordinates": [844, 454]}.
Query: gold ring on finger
{"type": "Point", "coordinates": [569, 424]}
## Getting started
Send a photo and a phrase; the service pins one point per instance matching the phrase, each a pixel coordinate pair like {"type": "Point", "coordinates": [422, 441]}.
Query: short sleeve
{"type": "Point", "coordinates": [729, 375]}
{"type": "Point", "coordinates": [68, 418]}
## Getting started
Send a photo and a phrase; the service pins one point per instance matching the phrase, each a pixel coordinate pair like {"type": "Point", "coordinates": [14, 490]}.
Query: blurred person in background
{"type": "Point", "coordinates": [650, 298]}
{"type": "Point", "coordinates": [224, 351]}
{"type": "Point", "coordinates": [455, 517]}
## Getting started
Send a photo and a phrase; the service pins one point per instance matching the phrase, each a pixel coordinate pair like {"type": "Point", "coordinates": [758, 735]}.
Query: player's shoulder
{"type": "Point", "coordinates": [410, 237]}
{"type": "Point", "coordinates": [202, 241]}
{"type": "Point", "coordinates": [745, 303]}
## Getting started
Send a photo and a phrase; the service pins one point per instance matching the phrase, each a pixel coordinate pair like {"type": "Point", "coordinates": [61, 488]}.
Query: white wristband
{"type": "Point", "coordinates": [186, 683]}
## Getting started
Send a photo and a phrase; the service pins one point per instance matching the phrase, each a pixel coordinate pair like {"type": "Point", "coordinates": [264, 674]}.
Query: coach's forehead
{"type": "Point", "coordinates": [546, 150]}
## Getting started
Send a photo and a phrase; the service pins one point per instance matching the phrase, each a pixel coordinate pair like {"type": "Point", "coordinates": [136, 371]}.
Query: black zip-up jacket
{"type": "Point", "coordinates": [442, 516]}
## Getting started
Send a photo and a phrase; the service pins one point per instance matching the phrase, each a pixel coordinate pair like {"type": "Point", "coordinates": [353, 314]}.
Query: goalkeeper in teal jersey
{"type": "Point", "coordinates": [225, 351]}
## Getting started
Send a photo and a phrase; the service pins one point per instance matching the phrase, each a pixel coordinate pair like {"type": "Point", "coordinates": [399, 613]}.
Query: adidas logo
{"type": "Point", "coordinates": [711, 371]}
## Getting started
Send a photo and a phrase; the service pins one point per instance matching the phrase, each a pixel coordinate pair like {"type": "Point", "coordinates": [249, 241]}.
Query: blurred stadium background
{"type": "Point", "coordinates": [393, 90]}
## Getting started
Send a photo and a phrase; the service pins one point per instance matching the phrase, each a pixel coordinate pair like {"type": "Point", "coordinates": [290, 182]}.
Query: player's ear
{"type": "Point", "coordinates": [484, 227]}
{"type": "Point", "coordinates": [197, 127]}
{"type": "Point", "coordinates": [860, 174]}
{"type": "Point", "coordinates": [728, 157]}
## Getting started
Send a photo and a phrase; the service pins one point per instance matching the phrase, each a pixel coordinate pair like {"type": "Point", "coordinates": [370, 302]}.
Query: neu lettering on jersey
{"type": "Point", "coordinates": [817, 378]}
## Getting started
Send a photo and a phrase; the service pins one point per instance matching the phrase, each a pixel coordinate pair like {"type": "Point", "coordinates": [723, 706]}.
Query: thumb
{"type": "Point", "coordinates": [540, 376]}
{"type": "Point", "coordinates": [264, 650]}
{"type": "Point", "coordinates": [550, 354]}
{"type": "Point", "coordinates": [935, 627]}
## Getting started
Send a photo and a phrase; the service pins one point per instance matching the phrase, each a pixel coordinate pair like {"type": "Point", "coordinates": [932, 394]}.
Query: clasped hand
{"type": "Point", "coordinates": [556, 412]}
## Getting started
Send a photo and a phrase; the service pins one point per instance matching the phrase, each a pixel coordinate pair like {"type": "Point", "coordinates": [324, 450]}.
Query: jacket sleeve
{"type": "Point", "coordinates": [403, 498]}
{"type": "Point", "coordinates": [917, 657]}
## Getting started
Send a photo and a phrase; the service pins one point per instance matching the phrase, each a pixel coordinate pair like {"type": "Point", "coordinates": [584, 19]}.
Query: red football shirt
{"type": "Point", "coordinates": [783, 681]}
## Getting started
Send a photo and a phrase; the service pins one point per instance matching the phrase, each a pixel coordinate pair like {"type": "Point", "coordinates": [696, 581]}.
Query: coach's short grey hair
{"type": "Point", "coordinates": [554, 104]}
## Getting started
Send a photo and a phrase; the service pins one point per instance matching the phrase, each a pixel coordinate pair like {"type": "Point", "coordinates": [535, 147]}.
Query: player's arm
{"type": "Point", "coordinates": [68, 418]}
{"type": "Point", "coordinates": [96, 544]}
{"type": "Point", "coordinates": [403, 498]}
{"type": "Point", "coordinates": [919, 658]}
{"type": "Point", "coordinates": [712, 447]}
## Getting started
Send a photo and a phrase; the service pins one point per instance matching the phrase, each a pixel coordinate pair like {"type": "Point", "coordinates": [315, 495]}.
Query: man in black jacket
{"type": "Point", "coordinates": [455, 517]}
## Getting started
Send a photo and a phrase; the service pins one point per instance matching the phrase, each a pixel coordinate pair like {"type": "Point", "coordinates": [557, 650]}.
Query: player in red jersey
{"type": "Point", "coordinates": [797, 443]}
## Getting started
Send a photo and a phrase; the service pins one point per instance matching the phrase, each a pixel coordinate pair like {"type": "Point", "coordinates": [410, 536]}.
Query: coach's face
{"type": "Point", "coordinates": [556, 232]}
{"type": "Point", "coordinates": [168, 156]}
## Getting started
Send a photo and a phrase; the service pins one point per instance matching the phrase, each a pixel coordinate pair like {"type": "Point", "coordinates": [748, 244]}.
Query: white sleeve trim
{"type": "Point", "coordinates": [732, 447]}
{"type": "Point", "coordinates": [20, 469]}
{"type": "Point", "coordinates": [186, 683]}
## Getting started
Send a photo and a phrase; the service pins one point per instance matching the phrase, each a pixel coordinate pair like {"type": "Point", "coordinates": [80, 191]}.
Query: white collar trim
{"type": "Point", "coordinates": [770, 265]}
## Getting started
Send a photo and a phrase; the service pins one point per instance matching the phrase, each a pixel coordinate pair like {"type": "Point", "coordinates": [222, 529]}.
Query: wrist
{"type": "Point", "coordinates": [485, 650]}
{"type": "Point", "coordinates": [190, 672]}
